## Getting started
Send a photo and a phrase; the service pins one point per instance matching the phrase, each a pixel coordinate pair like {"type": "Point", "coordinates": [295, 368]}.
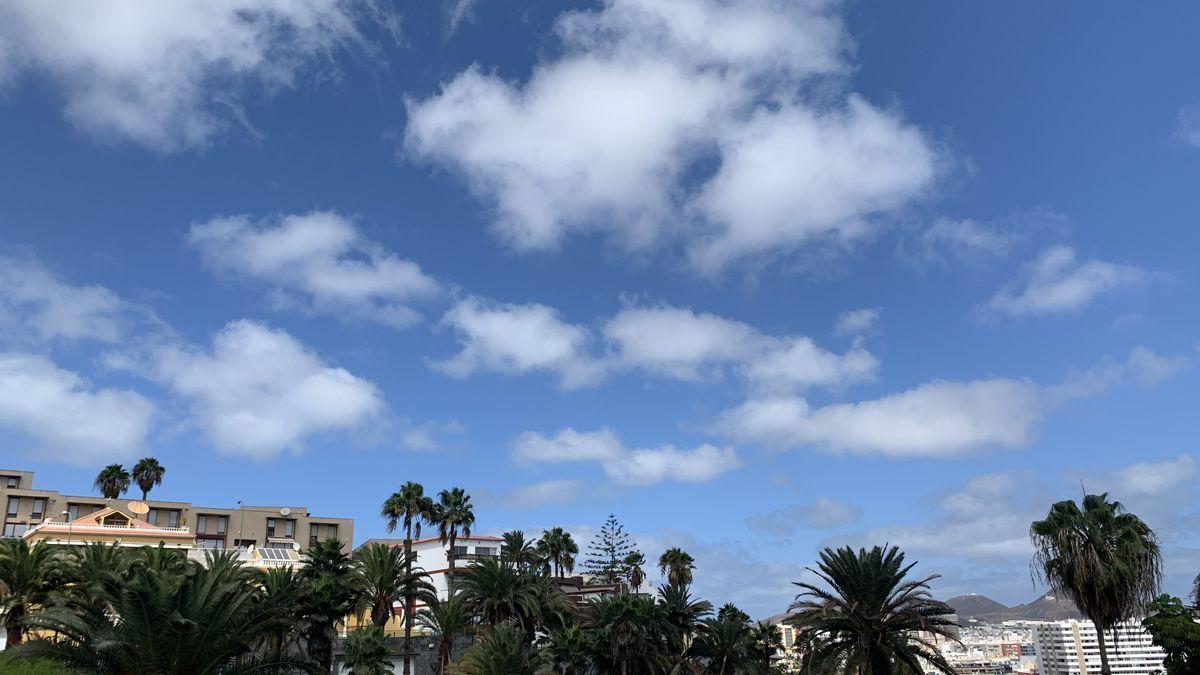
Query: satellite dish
{"type": "Point", "coordinates": [285, 511]}
{"type": "Point", "coordinates": [138, 507]}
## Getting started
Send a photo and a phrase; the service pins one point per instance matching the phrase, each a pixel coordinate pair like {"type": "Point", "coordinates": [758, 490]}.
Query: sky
{"type": "Point", "coordinates": [757, 276]}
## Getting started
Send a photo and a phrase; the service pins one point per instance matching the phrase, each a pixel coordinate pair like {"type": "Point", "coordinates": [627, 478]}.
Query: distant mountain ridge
{"type": "Point", "coordinates": [983, 609]}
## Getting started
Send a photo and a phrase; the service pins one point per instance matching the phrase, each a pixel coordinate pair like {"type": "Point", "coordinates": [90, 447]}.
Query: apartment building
{"type": "Point", "coordinates": [240, 526]}
{"type": "Point", "coordinates": [1071, 648]}
{"type": "Point", "coordinates": [434, 557]}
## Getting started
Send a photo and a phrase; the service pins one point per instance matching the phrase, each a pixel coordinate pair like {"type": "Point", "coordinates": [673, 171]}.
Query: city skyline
{"type": "Point", "coordinates": [831, 273]}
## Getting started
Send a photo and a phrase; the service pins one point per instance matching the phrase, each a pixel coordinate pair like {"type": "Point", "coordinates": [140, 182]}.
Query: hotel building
{"type": "Point", "coordinates": [1071, 648]}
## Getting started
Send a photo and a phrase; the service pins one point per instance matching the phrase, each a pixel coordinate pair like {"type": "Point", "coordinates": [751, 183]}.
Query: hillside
{"type": "Point", "coordinates": [1045, 608]}
{"type": "Point", "coordinates": [975, 606]}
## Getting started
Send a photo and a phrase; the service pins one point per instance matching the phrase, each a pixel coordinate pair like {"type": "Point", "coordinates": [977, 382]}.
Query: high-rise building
{"type": "Point", "coordinates": [1071, 648]}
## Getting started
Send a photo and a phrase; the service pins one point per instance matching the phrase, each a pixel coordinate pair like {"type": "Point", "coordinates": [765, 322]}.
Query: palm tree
{"type": "Point", "coordinates": [411, 507]}
{"type": "Point", "coordinates": [367, 652]}
{"type": "Point", "coordinates": [498, 592]}
{"type": "Point", "coordinates": [503, 650]}
{"type": "Point", "coordinates": [454, 516]}
{"type": "Point", "coordinates": [629, 634]}
{"type": "Point", "coordinates": [566, 650]}
{"type": "Point", "coordinates": [1196, 591]}
{"type": "Point", "coordinates": [207, 620]}
{"type": "Point", "coordinates": [726, 642]}
{"type": "Point", "coordinates": [677, 565]}
{"type": "Point", "coordinates": [26, 579]}
{"type": "Point", "coordinates": [560, 549]}
{"type": "Point", "coordinates": [633, 565]}
{"type": "Point", "coordinates": [112, 481]}
{"type": "Point", "coordinates": [765, 641]}
{"type": "Point", "coordinates": [682, 616]}
{"type": "Point", "coordinates": [517, 551]}
{"type": "Point", "coordinates": [870, 619]}
{"type": "Point", "coordinates": [1102, 557]}
{"type": "Point", "coordinates": [147, 473]}
{"type": "Point", "coordinates": [448, 619]}
{"type": "Point", "coordinates": [382, 569]}
{"type": "Point", "coordinates": [331, 591]}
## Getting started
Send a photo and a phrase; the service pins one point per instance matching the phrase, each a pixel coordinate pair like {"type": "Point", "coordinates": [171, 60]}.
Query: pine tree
{"type": "Point", "coordinates": [607, 553]}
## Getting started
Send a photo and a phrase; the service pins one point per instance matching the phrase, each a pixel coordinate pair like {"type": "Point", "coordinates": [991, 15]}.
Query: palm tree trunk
{"type": "Point", "coordinates": [1104, 668]}
{"type": "Point", "coordinates": [408, 600]}
{"type": "Point", "coordinates": [450, 560]}
{"type": "Point", "coordinates": [13, 633]}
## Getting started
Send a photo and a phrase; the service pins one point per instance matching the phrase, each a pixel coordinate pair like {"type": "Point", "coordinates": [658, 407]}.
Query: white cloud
{"type": "Point", "coordinates": [662, 340]}
{"type": "Point", "coordinates": [544, 493]}
{"type": "Point", "coordinates": [821, 513]}
{"type": "Point", "coordinates": [962, 241]}
{"type": "Point", "coordinates": [637, 466]}
{"type": "Point", "coordinates": [1056, 282]}
{"type": "Point", "coordinates": [936, 419]}
{"type": "Point", "coordinates": [1187, 126]}
{"type": "Point", "coordinates": [67, 417]}
{"type": "Point", "coordinates": [319, 261]}
{"type": "Point", "coordinates": [259, 391]}
{"type": "Point", "coordinates": [171, 75]}
{"type": "Point", "coordinates": [858, 321]}
{"type": "Point", "coordinates": [606, 135]}
{"type": "Point", "coordinates": [37, 305]}
{"type": "Point", "coordinates": [1143, 366]}
{"type": "Point", "coordinates": [517, 339]}
{"type": "Point", "coordinates": [1155, 478]}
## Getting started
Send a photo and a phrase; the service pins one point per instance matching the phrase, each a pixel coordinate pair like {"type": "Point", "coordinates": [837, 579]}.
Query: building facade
{"type": "Point", "coordinates": [1072, 648]}
{"type": "Point", "coordinates": [242, 527]}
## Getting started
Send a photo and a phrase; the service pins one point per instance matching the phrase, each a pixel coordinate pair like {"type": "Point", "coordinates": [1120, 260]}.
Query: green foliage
{"type": "Point", "coordinates": [1173, 627]}
{"type": "Point", "coordinates": [607, 552]}
{"type": "Point", "coordinates": [1102, 557]}
{"type": "Point", "coordinates": [112, 481]}
{"type": "Point", "coordinates": [453, 515]}
{"type": "Point", "coordinates": [446, 619]}
{"type": "Point", "coordinates": [677, 565]}
{"type": "Point", "coordinates": [559, 548]}
{"type": "Point", "coordinates": [633, 567]}
{"type": "Point", "coordinates": [29, 667]}
{"type": "Point", "coordinates": [367, 652]}
{"type": "Point", "coordinates": [27, 575]}
{"type": "Point", "coordinates": [502, 650]}
{"type": "Point", "coordinates": [147, 473]}
{"type": "Point", "coordinates": [869, 617]}
{"type": "Point", "coordinates": [332, 590]}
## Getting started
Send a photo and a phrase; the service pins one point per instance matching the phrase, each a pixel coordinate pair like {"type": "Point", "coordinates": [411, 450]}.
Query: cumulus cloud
{"type": "Point", "coordinates": [517, 339]}
{"type": "Point", "coordinates": [318, 261]}
{"type": "Point", "coordinates": [1155, 478]}
{"type": "Point", "coordinates": [1187, 126]}
{"type": "Point", "coordinates": [171, 75]}
{"type": "Point", "coordinates": [936, 419]}
{"type": "Point", "coordinates": [1143, 366]}
{"type": "Point", "coordinates": [960, 241]}
{"type": "Point", "coordinates": [259, 391]}
{"type": "Point", "coordinates": [1056, 282]}
{"type": "Point", "coordinates": [821, 513]}
{"type": "Point", "coordinates": [544, 493]}
{"type": "Point", "coordinates": [636, 466]}
{"type": "Point", "coordinates": [857, 321]}
{"type": "Point", "coordinates": [608, 134]}
{"type": "Point", "coordinates": [661, 340]}
{"type": "Point", "coordinates": [36, 304]}
{"type": "Point", "coordinates": [68, 418]}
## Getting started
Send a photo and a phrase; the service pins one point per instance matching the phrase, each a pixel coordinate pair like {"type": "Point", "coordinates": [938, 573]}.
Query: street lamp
{"type": "Point", "coordinates": [241, 522]}
{"type": "Point", "coordinates": [67, 519]}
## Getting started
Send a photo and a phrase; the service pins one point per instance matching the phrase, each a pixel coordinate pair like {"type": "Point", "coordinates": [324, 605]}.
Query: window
{"type": "Point", "coordinates": [460, 551]}
{"type": "Point", "coordinates": [211, 543]}
{"type": "Point", "coordinates": [12, 481]}
{"type": "Point", "coordinates": [222, 523]}
{"type": "Point", "coordinates": [270, 527]}
{"type": "Point", "coordinates": [485, 550]}
{"type": "Point", "coordinates": [39, 508]}
{"type": "Point", "coordinates": [313, 532]}
{"type": "Point", "coordinates": [151, 516]}
{"type": "Point", "coordinates": [14, 503]}
{"type": "Point", "coordinates": [173, 518]}
{"type": "Point", "coordinates": [201, 523]}
{"type": "Point", "coordinates": [289, 529]}
{"type": "Point", "coordinates": [72, 512]}
{"type": "Point", "coordinates": [15, 529]}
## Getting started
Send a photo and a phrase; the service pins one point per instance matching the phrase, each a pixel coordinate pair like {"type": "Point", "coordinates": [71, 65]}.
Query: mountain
{"type": "Point", "coordinates": [975, 606]}
{"type": "Point", "coordinates": [1046, 608]}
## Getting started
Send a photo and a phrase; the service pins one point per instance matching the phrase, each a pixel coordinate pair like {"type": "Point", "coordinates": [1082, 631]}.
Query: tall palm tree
{"type": "Point", "coordinates": [408, 506]}
{"type": "Point", "coordinates": [498, 592]}
{"type": "Point", "coordinates": [1102, 557]}
{"type": "Point", "coordinates": [633, 565]}
{"type": "Point", "coordinates": [448, 619]}
{"type": "Point", "coordinates": [566, 650]}
{"type": "Point", "coordinates": [677, 565]}
{"type": "Point", "coordinates": [367, 652]}
{"type": "Point", "coordinates": [207, 620]}
{"type": "Point", "coordinates": [726, 642]}
{"type": "Point", "coordinates": [332, 591]}
{"type": "Point", "coordinates": [26, 579]}
{"type": "Point", "coordinates": [382, 569]}
{"type": "Point", "coordinates": [765, 641]}
{"type": "Point", "coordinates": [682, 616]}
{"type": "Point", "coordinates": [147, 473]}
{"type": "Point", "coordinates": [870, 619]}
{"type": "Point", "coordinates": [629, 634]}
{"type": "Point", "coordinates": [517, 551]}
{"type": "Point", "coordinates": [454, 516]}
{"type": "Point", "coordinates": [112, 481]}
{"type": "Point", "coordinates": [560, 548]}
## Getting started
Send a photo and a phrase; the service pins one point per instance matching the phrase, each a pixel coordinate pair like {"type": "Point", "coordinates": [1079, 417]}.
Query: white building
{"type": "Point", "coordinates": [1071, 648]}
{"type": "Point", "coordinates": [432, 554]}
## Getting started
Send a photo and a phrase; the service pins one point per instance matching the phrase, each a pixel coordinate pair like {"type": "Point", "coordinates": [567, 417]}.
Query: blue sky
{"type": "Point", "coordinates": [757, 276]}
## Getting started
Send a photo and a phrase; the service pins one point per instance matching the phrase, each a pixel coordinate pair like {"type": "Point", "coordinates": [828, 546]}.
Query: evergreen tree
{"type": "Point", "coordinates": [608, 552]}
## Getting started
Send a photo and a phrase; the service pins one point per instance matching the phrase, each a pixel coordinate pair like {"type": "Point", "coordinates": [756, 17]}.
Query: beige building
{"type": "Point", "coordinates": [213, 527]}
